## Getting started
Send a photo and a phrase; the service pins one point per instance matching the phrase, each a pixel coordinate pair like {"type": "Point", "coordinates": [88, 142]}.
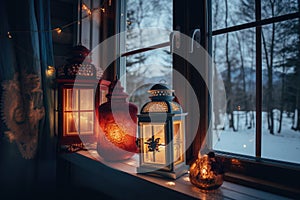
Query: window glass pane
{"type": "Point", "coordinates": [236, 12]}
{"type": "Point", "coordinates": [234, 58]}
{"type": "Point", "coordinates": [281, 101]}
{"type": "Point", "coordinates": [90, 23]}
{"type": "Point", "coordinates": [146, 69]}
{"type": "Point", "coordinates": [148, 22]}
{"type": "Point", "coordinates": [276, 8]}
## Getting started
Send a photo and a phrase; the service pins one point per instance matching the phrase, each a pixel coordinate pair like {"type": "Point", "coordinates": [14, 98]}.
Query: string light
{"type": "Point", "coordinates": [50, 70]}
{"type": "Point", "coordinates": [102, 9]}
{"type": "Point", "coordinates": [59, 30]}
{"type": "Point", "coordinates": [9, 35]}
{"type": "Point", "coordinates": [85, 8]}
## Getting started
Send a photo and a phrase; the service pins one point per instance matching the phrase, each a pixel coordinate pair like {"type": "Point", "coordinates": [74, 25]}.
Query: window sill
{"type": "Point", "coordinates": [84, 169]}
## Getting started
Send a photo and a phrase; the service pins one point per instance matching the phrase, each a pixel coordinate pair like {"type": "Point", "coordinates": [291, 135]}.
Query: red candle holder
{"type": "Point", "coordinates": [118, 126]}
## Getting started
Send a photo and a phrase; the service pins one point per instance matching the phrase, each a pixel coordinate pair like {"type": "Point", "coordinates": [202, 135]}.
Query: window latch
{"type": "Point", "coordinates": [174, 40]}
{"type": "Point", "coordinates": [196, 37]}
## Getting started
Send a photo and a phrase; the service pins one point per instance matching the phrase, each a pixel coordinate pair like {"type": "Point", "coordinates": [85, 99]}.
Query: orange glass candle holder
{"type": "Point", "coordinates": [207, 172]}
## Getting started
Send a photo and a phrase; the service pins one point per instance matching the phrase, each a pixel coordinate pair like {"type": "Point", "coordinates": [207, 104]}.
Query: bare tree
{"type": "Point", "coordinates": [269, 50]}
{"type": "Point", "coordinates": [228, 84]}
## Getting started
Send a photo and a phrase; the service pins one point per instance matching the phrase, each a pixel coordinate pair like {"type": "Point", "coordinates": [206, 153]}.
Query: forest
{"type": "Point", "coordinates": [235, 56]}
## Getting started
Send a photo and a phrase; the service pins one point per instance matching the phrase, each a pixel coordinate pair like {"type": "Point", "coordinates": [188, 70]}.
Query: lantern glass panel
{"type": "Point", "coordinates": [70, 123]}
{"type": "Point", "coordinates": [153, 143]}
{"type": "Point", "coordinates": [78, 111]}
{"type": "Point", "coordinates": [86, 99]}
{"type": "Point", "coordinates": [71, 99]}
{"type": "Point", "coordinates": [86, 123]}
{"type": "Point", "coordinates": [178, 139]}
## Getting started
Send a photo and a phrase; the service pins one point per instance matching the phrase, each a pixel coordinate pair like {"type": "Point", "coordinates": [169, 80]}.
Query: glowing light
{"type": "Point", "coordinates": [170, 183]}
{"type": "Point", "coordinates": [58, 30]}
{"type": "Point", "coordinates": [9, 35]}
{"type": "Point", "coordinates": [131, 163]}
{"type": "Point", "coordinates": [50, 70]}
{"type": "Point", "coordinates": [85, 8]}
{"type": "Point", "coordinates": [115, 133]}
{"type": "Point", "coordinates": [235, 161]}
{"type": "Point", "coordinates": [245, 146]}
{"type": "Point", "coordinates": [102, 9]}
{"type": "Point", "coordinates": [186, 179]}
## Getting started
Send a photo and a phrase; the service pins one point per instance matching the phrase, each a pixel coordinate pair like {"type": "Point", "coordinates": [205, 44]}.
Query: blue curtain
{"type": "Point", "coordinates": [27, 143]}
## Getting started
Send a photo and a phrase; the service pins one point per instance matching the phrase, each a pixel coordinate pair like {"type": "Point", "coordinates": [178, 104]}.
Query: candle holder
{"type": "Point", "coordinates": [207, 172]}
{"type": "Point", "coordinates": [118, 123]}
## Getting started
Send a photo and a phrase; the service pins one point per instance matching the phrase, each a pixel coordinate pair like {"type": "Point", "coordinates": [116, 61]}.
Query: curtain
{"type": "Point", "coordinates": [27, 142]}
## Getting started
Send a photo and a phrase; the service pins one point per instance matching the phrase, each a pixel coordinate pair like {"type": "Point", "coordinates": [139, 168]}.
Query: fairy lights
{"type": "Point", "coordinates": [86, 9]}
{"type": "Point", "coordinates": [102, 9]}
{"type": "Point", "coordinates": [9, 35]}
{"type": "Point", "coordinates": [59, 30]}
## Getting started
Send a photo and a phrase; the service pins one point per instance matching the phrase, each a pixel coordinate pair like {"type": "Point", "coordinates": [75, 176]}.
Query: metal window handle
{"type": "Point", "coordinates": [174, 37]}
{"type": "Point", "coordinates": [196, 36]}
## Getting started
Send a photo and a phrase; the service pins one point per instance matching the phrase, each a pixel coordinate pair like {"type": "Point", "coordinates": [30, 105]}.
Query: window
{"type": "Point", "coordinates": [258, 62]}
{"type": "Point", "coordinates": [255, 47]}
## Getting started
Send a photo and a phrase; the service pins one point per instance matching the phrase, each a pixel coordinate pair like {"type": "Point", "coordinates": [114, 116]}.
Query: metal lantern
{"type": "Point", "coordinates": [161, 132]}
{"type": "Point", "coordinates": [78, 96]}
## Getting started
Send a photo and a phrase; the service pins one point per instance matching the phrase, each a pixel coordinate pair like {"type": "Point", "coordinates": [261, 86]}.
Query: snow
{"type": "Point", "coordinates": [284, 146]}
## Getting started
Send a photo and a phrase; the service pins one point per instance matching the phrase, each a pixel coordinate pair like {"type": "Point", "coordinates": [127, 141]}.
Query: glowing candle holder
{"type": "Point", "coordinates": [207, 172]}
{"type": "Point", "coordinates": [118, 123]}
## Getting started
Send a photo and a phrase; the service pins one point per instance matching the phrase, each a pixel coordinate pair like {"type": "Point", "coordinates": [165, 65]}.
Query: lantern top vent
{"type": "Point", "coordinates": [161, 101]}
{"type": "Point", "coordinates": [78, 65]}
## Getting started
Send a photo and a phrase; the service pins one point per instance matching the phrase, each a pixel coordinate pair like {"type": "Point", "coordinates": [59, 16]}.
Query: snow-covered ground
{"type": "Point", "coordinates": [284, 146]}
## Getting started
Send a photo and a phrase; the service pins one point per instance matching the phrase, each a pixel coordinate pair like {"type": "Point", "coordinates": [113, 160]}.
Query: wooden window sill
{"type": "Point", "coordinates": [87, 169]}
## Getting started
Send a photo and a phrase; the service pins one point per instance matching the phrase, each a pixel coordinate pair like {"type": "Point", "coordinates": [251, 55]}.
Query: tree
{"type": "Point", "coordinates": [228, 82]}
{"type": "Point", "coordinates": [296, 60]}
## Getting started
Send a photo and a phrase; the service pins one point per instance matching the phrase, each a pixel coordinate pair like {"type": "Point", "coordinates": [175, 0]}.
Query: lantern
{"type": "Point", "coordinates": [117, 124]}
{"type": "Point", "coordinates": [161, 131]}
{"type": "Point", "coordinates": [77, 97]}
